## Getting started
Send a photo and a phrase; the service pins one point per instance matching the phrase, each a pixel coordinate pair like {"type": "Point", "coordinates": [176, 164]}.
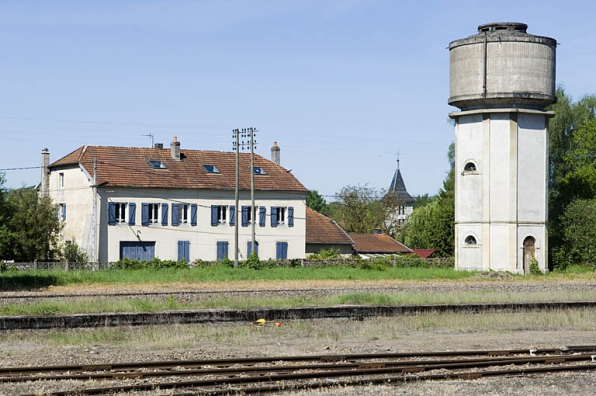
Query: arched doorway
{"type": "Point", "coordinates": [529, 253]}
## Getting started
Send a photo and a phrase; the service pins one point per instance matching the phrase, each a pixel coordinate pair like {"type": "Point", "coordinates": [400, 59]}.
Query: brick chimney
{"type": "Point", "coordinates": [45, 173]}
{"type": "Point", "coordinates": [175, 149]}
{"type": "Point", "coordinates": [275, 153]}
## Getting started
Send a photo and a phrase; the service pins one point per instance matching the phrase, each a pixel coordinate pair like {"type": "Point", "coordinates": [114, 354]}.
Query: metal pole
{"type": "Point", "coordinates": [237, 134]}
{"type": "Point", "coordinates": [94, 210]}
{"type": "Point", "coordinates": [252, 187]}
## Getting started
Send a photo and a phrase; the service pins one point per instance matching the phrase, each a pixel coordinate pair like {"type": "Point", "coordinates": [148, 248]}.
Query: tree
{"type": "Point", "coordinates": [360, 209]}
{"type": "Point", "coordinates": [579, 231]}
{"type": "Point", "coordinates": [316, 202]}
{"type": "Point", "coordinates": [432, 226]}
{"type": "Point", "coordinates": [31, 228]}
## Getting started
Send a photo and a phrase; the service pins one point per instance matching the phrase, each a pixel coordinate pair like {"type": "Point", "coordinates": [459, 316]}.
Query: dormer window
{"type": "Point", "coordinates": [156, 164]}
{"type": "Point", "coordinates": [210, 168]}
{"type": "Point", "coordinates": [259, 171]}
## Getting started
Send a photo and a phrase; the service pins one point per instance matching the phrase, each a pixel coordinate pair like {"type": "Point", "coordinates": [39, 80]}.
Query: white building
{"type": "Point", "coordinates": [174, 203]}
{"type": "Point", "coordinates": [501, 78]}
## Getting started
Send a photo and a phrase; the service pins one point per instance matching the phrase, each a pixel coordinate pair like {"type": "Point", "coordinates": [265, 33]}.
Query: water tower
{"type": "Point", "coordinates": [501, 79]}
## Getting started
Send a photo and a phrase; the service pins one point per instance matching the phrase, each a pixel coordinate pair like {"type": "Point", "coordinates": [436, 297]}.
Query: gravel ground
{"type": "Point", "coordinates": [33, 348]}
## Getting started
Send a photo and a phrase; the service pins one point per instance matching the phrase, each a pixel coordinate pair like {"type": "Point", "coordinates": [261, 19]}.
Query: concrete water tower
{"type": "Point", "coordinates": [501, 79]}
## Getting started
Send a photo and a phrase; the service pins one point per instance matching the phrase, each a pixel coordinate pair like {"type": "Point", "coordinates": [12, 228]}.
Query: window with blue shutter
{"type": "Point", "coordinates": [184, 251]}
{"type": "Point", "coordinates": [164, 214]}
{"type": "Point", "coordinates": [63, 211]}
{"type": "Point", "coordinates": [262, 215]}
{"type": "Point", "coordinates": [244, 216]}
{"type": "Point", "coordinates": [174, 214]}
{"type": "Point", "coordinates": [145, 214]}
{"type": "Point", "coordinates": [132, 208]}
{"type": "Point", "coordinates": [273, 216]}
{"type": "Point", "coordinates": [214, 215]}
{"type": "Point", "coordinates": [193, 215]}
{"type": "Point", "coordinates": [249, 248]}
{"type": "Point", "coordinates": [281, 250]}
{"type": "Point", "coordinates": [232, 215]}
{"type": "Point", "coordinates": [222, 250]}
{"type": "Point", "coordinates": [290, 216]}
{"type": "Point", "coordinates": [111, 213]}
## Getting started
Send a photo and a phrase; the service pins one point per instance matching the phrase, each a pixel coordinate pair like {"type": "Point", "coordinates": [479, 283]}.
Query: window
{"type": "Point", "coordinates": [61, 212]}
{"type": "Point", "coordinates": [247, 215]}
{"type": "Point", "coordinates": [61, 179]}
{"type": "Point", "coordinates": [281, 250]}
{"type": "Point", "coordinates": [183, 213]}
{"type": "Point", "coordinates": [278, 216]}
{"type": "Point", "coordinates": [184, 251]}
{"type": "Point", "coordinates": [219, 214]}
{"type": "Point", "coordinates": [153, 213]}
{"type": "Point", "coordinates": [222, 250]}
{"type": "Point", "coordinates": [470, 167]}
{"type": "Point", "coordinates": [470, 240]}
{"type": "Point", "coordinates": [401, 210]}
{"type": "Point", "coordinates": [120, 212]}
{"type": "Point", "coordinates": [258, 170]}
{"type": "Point", "coordinates": [210, 168]}
{"type": "Point", "coordinates": [249, 248]}
{"type": "Point", "coordinates": [156, 164]}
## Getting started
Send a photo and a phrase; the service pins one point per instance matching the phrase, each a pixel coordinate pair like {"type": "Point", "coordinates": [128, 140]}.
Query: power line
{"type": "Point", "coordinates": [24, 168]}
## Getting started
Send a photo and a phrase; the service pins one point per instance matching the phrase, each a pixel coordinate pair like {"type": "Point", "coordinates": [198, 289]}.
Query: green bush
{"type": "Point", "coordinates": [376, 264]}
{"type": "Point", "coordinates": [74, 254]}
{"type": "Point", "coordinates": [226, 262]}
{"type": "Point", "coordinates": [534, 268]}
{"type": "Point", "coordinates": [128, 263]}
{"type": "Point", "coordinates": [411, 261]}
{"type": "Point", "coordinates": [325, 253]}
{"type": "Point", "coordinates": [252, 262]}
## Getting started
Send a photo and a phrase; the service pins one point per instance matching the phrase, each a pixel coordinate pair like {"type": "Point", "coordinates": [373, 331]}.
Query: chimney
{"type": "Point", "coordinates": [45, 173]}
{"type": "Point", "coordinates": [175, 149]}
{"type": "Point", "coordinates": [158, 145]}
{"type": "Point", "coordinates": [377, 231]}
{"type": "Point", "coordinates": [275, 153]}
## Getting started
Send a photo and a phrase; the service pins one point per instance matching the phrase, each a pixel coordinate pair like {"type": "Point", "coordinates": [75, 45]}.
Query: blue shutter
{"type": "Point", "coordinates": [213, 215]}
{"type": "Point", "coordinates": [193, 214]}
{"type": "Point", "coordinates": [63, 211]}
{"type": "Point", "coordinates": [262, 211]}
{"type": "Point", "coordinates": [244, 216]}
{"type": "Point", "coordinates": [222, 250]}
{"type": "Point", "coordinates": [232, 215]}
{"type": "Point", "coordinates": [278, 250]}
{"type": "Point", "coordinates": [132, 209]}
{"type": "Point", "coordinates": [249, 248]}
{"type": "Point", "coordinates": [284, 250]}
{"type": "Point", "coordinates": [290, 216]}
{"type": "Point", "coordinates": [273, 216]}
{"type": "Point", "coordinates": [174, 214]}
{"type": "Point", "coordinates": [111, 213]}
{"type": "Point", "coordinates": [164, 214]}
{"type": "Point", "coordinates": [144, 214]}
{"type": "Point", "coordinates": [184, 250]}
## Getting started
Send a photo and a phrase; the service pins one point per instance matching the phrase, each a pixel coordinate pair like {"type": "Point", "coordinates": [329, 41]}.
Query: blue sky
{"type": "Point", "coordinates": [340, 85]}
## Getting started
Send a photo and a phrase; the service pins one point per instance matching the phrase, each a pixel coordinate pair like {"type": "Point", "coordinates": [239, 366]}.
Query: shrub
{"type": "Point", "coordinates": [226, 262]}
{"type": "Point", "coordinates": [74, 254]}
{"type": "Point", "coordinates": [377, 264]}
{"type": "Point", "coordinates": [155, 263]}
{"type": "Point", "coordinates": [325, 253]}
{"type": "Point", "coordinates": [534, 268]}
{"type": "Point", "coordinates": [252, 262]}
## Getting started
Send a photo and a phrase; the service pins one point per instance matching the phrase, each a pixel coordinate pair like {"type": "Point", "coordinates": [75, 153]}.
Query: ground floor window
{"type": "Point", "coordinates": [137, 250]}
{"type": "Point", "coordinates": [281, 250]}
{"type": "Point", "coordinates": [184, 251]}
{"type": "Point", "coordinates": [222, 250]}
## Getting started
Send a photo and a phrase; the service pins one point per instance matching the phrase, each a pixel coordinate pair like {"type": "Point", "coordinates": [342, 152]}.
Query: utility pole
{"type": "Point", "coordinates": [252, 144]}
{"type": "Point", "coordinates": [236, 142]}
{"type": "Point", "coordinates": [94, 211]}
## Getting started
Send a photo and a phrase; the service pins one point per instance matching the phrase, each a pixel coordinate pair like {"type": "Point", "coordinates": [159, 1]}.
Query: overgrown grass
{"type": "Point", "coordinates": [41, 279]}
{"type": "Point", "coordinates": [87, 305]}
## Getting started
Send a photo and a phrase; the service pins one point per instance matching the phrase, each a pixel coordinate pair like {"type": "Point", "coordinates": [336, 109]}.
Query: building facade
{"type": "Point", "coordinates": [142, 203]}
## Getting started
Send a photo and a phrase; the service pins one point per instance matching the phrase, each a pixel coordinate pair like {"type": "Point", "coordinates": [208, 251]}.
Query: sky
{"type": "Point", "coordinates": [341, 85]}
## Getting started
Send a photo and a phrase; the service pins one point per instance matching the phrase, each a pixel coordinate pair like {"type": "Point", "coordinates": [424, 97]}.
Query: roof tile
{"type": "Point", "coordinates": [322, 229]}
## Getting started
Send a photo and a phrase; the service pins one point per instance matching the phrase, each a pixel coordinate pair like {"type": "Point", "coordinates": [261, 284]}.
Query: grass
{"type": "Point", "coordinates": [43, 279]}
{"type": "Point", "coordinates": [311, 332]}
{"type": "Point", "coordinates": [89, 305]}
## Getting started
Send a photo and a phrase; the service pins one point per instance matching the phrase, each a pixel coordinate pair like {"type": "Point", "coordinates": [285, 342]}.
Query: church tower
{"type": "Point", "coordinates": [501, 79]}
{"type": "Point", "coordinates": [399, 193]}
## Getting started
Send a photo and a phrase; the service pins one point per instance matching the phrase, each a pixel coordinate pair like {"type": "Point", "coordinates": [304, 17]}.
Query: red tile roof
{"type": "Point", "coordinates": [321, 229]}
{"type": "Point", "coordinates": [130, 167]}
{"type": "Point", "coordinates": [377, 243]}
{"type": "Point", "coordinates": [424, 253]}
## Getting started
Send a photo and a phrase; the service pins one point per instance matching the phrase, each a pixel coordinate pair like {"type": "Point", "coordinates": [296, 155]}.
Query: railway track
{"type": "Point", "coordinates": [273, 374]}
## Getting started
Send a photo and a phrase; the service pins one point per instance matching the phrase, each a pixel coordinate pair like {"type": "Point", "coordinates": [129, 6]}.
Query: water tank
{"type": "Point", "coordinates": [502, 66]}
